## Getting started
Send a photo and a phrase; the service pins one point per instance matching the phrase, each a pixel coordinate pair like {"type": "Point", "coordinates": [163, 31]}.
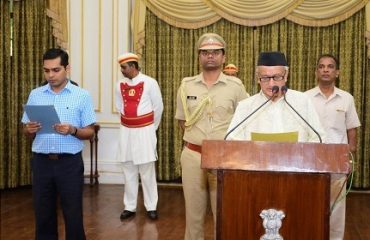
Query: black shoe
{"type": "Point", "coordinates": [152, 215]}
{"type": "Point", "coordinates": [126, 214]}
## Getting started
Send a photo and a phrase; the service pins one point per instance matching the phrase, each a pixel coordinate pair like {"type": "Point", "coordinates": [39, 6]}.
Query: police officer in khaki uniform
{"type": "Point", "coordinates": [205, 106]}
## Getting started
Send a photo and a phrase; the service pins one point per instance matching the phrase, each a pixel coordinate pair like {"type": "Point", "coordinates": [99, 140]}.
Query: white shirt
{"type": "Point", "coordinates": [337, 113]}
{"type": "Point", "coordinates": [139, 144]}
{"type": "Point", "coordinates": [277, 117]}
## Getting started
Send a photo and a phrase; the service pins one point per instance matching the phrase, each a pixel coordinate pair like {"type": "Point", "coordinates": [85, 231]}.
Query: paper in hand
{"type": "Point", "coordinates": [46, 115]}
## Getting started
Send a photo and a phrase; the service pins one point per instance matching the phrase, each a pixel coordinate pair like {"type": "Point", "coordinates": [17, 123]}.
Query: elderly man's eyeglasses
{"type": "Point", "coordinates": [213, 53]}
{"type": "Point", "coordinates": [276, 78]}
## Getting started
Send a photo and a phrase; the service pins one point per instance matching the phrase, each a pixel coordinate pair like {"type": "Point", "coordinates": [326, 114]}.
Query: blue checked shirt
{"type": "Point", "coordinates": [74, 106]}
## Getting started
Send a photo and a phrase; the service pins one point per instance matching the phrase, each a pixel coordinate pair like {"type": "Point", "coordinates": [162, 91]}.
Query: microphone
{"type": "Point", "coordinates": [275, 90]}
{"type": "Point", "coordinates": [283, 90]}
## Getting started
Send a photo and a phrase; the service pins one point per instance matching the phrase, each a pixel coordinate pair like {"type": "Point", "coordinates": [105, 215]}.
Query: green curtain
{"type": "Point", "coordinates": [21, 73]}
{"type": "Point", "coordinates": [170, 55]}
{"type": "Point", "coordinates": [4, 82]}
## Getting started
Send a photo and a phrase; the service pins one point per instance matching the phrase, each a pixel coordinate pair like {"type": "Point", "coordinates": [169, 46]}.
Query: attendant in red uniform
{"type": "Point", "coordinates": [139, 102]}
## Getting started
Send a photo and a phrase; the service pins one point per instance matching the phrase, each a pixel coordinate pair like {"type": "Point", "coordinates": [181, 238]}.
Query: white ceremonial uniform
{"type": "Point", "coordinates": [337, 114]}
{"type": "Point", "coordinates": [277, 117]}
{"type": "Point", "coordinates": [138, 145]}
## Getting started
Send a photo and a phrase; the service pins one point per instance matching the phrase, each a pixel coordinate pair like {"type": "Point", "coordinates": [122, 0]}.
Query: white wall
{"type": "Point", "coordinates": [99, 31]}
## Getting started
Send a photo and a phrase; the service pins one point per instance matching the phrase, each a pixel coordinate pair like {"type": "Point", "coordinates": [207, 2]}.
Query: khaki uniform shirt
{"type": "Point", "coordinates": [337, 113]}
{"type": "Point", "coordinates": [224, 96]}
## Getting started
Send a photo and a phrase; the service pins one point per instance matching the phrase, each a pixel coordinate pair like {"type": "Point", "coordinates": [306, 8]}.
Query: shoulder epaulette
{"type": "Point", "coordinates": [187, 79]}
{"type": "Point", "coordinates": [235, 80]}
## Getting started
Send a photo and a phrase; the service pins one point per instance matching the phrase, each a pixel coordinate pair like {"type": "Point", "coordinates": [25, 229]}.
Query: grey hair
{"type": "Point", "coordinates": [285, 67]}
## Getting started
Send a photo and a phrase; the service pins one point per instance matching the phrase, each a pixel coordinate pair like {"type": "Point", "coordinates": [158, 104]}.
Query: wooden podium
{"type": "Point", "coordinates": [290, 177]}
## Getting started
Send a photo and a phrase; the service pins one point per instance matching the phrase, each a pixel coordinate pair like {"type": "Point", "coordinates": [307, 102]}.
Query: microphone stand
{"type": "Point", "coordinates": [284, 89]}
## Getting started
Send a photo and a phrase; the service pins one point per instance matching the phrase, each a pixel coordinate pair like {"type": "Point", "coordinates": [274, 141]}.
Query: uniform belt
{"type": "Point", "coordinates": [137, 121]}
{"type": "Point", "coordinates": [55, 156]}
{"type": "Point", "coordinates": [194, 147]}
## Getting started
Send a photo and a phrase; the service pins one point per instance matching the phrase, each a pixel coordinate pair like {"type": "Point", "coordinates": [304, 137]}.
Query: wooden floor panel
{"type": "Point", "coordinates": [103, 205]}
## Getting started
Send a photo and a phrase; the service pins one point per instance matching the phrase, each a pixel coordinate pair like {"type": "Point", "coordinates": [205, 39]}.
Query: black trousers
{"type": "Point", "coordinates": [58, 175]}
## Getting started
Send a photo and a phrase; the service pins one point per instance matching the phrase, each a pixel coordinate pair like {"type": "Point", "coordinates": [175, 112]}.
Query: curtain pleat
{"type": "Point", "coordinates": [5, 75]}
{"type": "Point", "coordinates": [57, 11]}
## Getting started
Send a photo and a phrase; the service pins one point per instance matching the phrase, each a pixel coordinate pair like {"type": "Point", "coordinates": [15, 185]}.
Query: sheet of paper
{"type": "Point", "coordinates": [275, 137]}
{"type": "Point", "coordinates": [44, 114]}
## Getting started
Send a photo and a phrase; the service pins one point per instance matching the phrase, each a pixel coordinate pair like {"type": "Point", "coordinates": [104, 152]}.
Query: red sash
{"type": "Point", "coordinates": [131, 96]}
{"type": "Point", "coordinates": [139, 121]}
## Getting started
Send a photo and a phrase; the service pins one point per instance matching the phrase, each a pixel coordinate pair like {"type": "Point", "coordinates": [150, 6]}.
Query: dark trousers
{"type": "Point", "coordinates": [58, 175]}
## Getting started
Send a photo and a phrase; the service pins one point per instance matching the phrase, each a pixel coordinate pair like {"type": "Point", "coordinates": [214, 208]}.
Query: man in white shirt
{"type": "Point", "coordinates": [139, 102]}
{"type": "Point", "coordinates": [276, 116]}
{"type": "Point", "coordinates": [337, 112]}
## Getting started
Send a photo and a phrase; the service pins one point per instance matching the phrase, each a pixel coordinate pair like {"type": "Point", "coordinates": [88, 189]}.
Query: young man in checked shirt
{"type": "Point", "coordinates": [57, 165]}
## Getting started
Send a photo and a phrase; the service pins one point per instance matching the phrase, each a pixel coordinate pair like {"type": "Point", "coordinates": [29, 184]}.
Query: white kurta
{"type": "Point", "coordinates": [277, 117]}
{"type": "Point", "coordinates": [139, 144]}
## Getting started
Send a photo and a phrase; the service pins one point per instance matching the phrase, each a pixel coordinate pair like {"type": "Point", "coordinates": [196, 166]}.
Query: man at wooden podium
{"type": "Point", "coordinates": [280, 110]}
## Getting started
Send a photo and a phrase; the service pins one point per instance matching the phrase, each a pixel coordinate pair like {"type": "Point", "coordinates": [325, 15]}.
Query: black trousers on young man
{"type": "Point", "coordinates": [58, 175]}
